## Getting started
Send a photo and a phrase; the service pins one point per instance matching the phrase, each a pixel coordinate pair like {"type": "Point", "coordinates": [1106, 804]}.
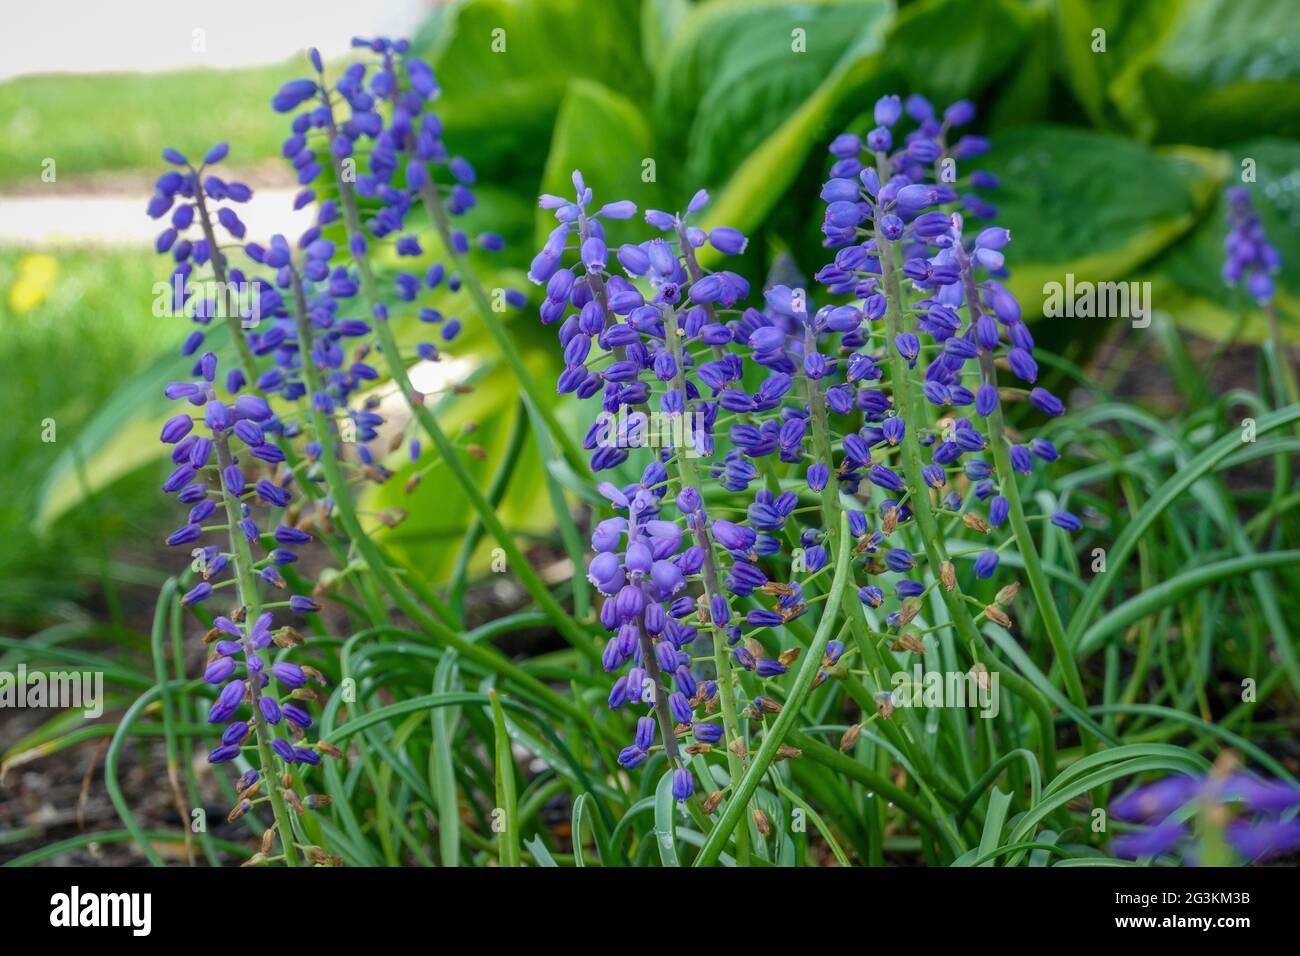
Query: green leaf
{"type": "Point", "coordinates": [1087, 203]}
{"type": "Point", "coordinates": [506, 798]}
{"type": "Point", "coordinates": [1130, 34]}
{"type": "Point", "coordinates": [659, 21]}
{"type": "Point", "coordinates": [505, 67]}
{"type": "Point", "coordinates": [537, 848]}
{"type": "Point", "coordinates": [604, 135]}
{"type": "Point", "coordinates": [949, 49]}
{"type": "Point", "coordinates": [1223, 70]}
{"type": "Point", "coordinates": [665, 812]}
{"type": "Point", "coordinates": [121, 437]}
{"type": "Point", "coordinates": [743, 78]}
{"type": "Point", "coordinates": [999, 802]}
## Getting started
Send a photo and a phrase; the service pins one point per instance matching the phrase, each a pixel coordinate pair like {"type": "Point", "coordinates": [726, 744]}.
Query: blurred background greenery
{"type": "Point", "coordinates": [1115, 125]}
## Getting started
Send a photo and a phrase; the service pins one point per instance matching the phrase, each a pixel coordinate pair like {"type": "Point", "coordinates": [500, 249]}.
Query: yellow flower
{"type": "Point", "coordinates": [36, 273]}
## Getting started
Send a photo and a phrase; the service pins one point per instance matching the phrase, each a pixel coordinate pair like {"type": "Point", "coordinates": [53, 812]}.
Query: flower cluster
{"type": "Point", "coordinates": [1252, 807]}
{"type": "Point", "coordinates": [793, 403]}
{"type": "Point", "coordinates": [1248, 253]}
{"type": "Point", "coordinates": [199, 203]}
{"type": "Point", "coordinates": [224, 468]}
{"type": "Point", "coordinates": [304, 336]}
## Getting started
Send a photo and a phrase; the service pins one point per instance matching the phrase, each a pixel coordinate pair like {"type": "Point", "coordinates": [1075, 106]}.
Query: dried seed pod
{"type": "Point", "coordinates": [908, 642]}
{"type": "Point", "coordinates": [850, 737]}
{"type": "Point", "coordinates": [948, 575]}
{"type": "Point", "coordinates": [997, 615]}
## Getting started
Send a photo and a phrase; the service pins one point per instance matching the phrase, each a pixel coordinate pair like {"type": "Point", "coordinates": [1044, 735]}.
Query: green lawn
{"type": "Point", "coordinates": [61, 357]}
{"type": "Point", "coordinates": [117, 121]}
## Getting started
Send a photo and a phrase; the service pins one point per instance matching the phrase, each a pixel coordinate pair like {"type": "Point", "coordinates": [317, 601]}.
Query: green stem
{"type": "Point", "coordinates": [784, 723]}
{"type": "Point", "coordinates": [688, 478]}
{"type": "Point", "coordinates": [579, 638]}
{"type": "Point", "coordinates": [932, 541]}
{"type": "Point", "coordinates": [482, 654]}
{"type": "Point", "coordinates": [242, 561]}
{"type": "Point", "coordinates": [1038, 582]}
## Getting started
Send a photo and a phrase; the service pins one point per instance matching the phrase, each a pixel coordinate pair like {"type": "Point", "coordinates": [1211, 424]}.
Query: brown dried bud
{"type": "Point", "coordinates": [238, 615]}
{"type": "Point", "coordinates": [908, 642]}
{"type": "Point", "coordinates": [694, 749]}
{"type": "Point", "coordinates": [738, 747]}
{"type": "Point", "coordinates": [786, 752]}
{"type": "Point", "coordinates": [257, 859]}
{"type": "Point", "coordinates": [268, 840]}
{"type": "Point", "coordinates": [329, 749]}
{"type": "Point", "coordinates": [909, 609]}
{"type": "Point", "coordinates": [889, 521]}
{"type": "Point", "coordinates": [462, 389]}
{"type": "Point", "coordinates": [777, 588]}
{"type": "Point", "coordinates": [291, 798]}
{"type": "Point", "coordinates": [238, 810]}
{"type": "Point", "coordinates": [997, 615]}
{"type": "Point", "coordinates": [392, 517]}
{"type": "Point", "coordinates": [762, 822]}
{"type": "Point", "coordinates": [412, 483]}
{"type": "Point", "coordinates": [476, 451]}
{"type": "Point", "coordinates": [755, 648]}
{"type": "Point", "coordinates": [980, 674]}
{"type": "Point", "coordinates": [973, 521]}
{"type": "Point", "coordinates": [768, 704]}
{"type": "Point", "coordinates": [948, 575]}
{"type": "Point", "coordinates": [211, 636]}
{"type": "Point", "coordinates": [790, 613]}
{"type": "Point", "coordinates": [711, 802]}
{"type": "Point", "coordinates": [316, 801]}
{"type": "Point", "coordinates": [850, 737]}
{"type": "Point", "coordinates": [316, 855]}
{"type": "Point", "coordinates": [1008, 594]}
{"type": "Point", "coordinates": [788, 657]}
{"type": "Point", "coordinates": [286, 780]}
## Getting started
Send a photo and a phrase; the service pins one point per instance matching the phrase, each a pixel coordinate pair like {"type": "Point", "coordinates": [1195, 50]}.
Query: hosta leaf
{"type": "Point", "coordinates": [1087, 203]}
{"type": "Point", "coordinates": [1224, 70]}
{"type": "Point", "coordinates": [604, 135]}
{"type": "Point", "coordinates": [737, 74]}
{"type": "Point", "coordinates": [1130, 34]}
{"type": "Point", "coordinates": [950, 49]}
{"type": "Point", "coordinates": [121, 437]}
{"type": "Point", "coordinates": [505, 66]}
